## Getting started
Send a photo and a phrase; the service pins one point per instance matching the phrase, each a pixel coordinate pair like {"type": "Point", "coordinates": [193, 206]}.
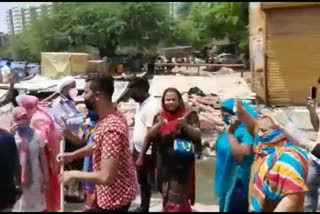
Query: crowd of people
{"type": "Point", "coordinates": [261, 165]}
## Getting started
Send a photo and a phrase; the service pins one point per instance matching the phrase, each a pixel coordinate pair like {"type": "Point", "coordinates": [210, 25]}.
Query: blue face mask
{"type": "Point", "coordinates": [93, 117]}
{"type": "Point", "coordinates": [23, 130]}
{"type": "Point", "coordinates": [226, 120]}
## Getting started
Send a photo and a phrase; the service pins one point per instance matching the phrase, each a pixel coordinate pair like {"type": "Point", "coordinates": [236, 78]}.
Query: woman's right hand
{"type": "Point", "coordinates": [311, 105]}
{"type": "Point", "coordinates": [239, 106]}
{"type": "Point", "coordinates": [65, 158]}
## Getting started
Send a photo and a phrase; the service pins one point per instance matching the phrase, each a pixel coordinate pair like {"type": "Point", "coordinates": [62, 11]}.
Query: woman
{"type": "Point", "coordinates": [87, 139]}
{"type": "Point", "coordinates": [34, 175]}
{"type": "Point", "coordinates": [41, 121]}
{"type": "Point", "coordinates": [175, 166]}
{"type": "Point", "coordinates": [279, 171]}
{"type": "Point", "coordinates": [233, 170]}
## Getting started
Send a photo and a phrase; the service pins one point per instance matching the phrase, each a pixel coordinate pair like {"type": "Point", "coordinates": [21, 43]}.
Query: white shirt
{"type": "Point", "coordinates": [5, 72]}
{"type": "Point", "coordinates": [143, 120]}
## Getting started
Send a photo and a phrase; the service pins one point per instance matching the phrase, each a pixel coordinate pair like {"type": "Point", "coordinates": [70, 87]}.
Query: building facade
{"type": "Point", "coordinates": [284, 51]}
{"type": "Point", "coordinates": [19, 18]}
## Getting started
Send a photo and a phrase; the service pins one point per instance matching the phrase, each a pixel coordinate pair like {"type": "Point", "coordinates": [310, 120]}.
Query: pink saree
{"type": "Point", "coordinates": [42, 121]}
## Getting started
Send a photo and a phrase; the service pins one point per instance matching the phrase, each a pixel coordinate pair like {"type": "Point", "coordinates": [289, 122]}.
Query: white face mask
{"type": "Point", "coordinates": [73, 93]}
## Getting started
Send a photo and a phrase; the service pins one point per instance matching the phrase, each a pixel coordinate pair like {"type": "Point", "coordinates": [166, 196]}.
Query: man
{"type": "Point", "coordinates": [66, 116]}
{"type": "Point", "coordinates": [148, 107]}
{"type": "Point", "coordinates": [113, 168]}
{"type": "Point", "coordinates": [10, 169]}
{"type": "Point", "coordinates": [10, 95]}
{"type": "Point", "coordinates": [6, 72]}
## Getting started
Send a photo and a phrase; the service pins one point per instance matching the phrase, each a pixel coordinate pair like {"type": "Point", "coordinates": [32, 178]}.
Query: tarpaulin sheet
{"type": "Point", "coordinates": [57, 65]}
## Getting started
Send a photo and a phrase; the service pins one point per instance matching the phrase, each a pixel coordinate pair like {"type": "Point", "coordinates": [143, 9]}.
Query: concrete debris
{"type": "Point", "coordinates": [225, 70]}
{"type": "Point", "coordinates": [222, 85]}
{"type": "Point", "coordinates": [208, 109]}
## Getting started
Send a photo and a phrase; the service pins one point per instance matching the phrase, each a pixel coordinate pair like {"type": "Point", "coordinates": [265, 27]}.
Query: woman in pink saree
{"type": "Point", "coordinates": [42, 121]}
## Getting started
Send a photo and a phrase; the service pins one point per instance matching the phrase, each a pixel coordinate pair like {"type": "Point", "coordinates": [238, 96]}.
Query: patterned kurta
{"type": "Point", "coordinates": [280, 168]}
{"type": "Point", "coordinates": [111, 142]}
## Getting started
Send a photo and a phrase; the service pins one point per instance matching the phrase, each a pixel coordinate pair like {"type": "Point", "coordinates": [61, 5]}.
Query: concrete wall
{"type": "Point", "coordinates": [257, 33]}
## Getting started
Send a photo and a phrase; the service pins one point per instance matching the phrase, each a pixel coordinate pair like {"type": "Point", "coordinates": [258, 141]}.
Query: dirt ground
{"type": "Point", "coordinates": [206, 200]}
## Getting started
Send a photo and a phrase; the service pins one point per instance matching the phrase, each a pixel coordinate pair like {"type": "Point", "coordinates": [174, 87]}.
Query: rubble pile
{"type": "Point", "coordinates": [225, 71]}
{"type": "Point", "coordinates": [208, 109]}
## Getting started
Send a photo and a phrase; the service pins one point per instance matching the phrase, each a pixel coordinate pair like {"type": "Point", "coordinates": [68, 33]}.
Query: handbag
{"type": "Point", "coordinates": [184, 147]}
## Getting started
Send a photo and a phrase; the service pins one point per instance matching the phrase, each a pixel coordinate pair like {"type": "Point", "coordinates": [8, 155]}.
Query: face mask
{"type": "Point", "coordinates": [22, 129]}
{"type": "Point", "coordinates": [73, 93]}
{"type": "Point", "coordinates": [226, 120]}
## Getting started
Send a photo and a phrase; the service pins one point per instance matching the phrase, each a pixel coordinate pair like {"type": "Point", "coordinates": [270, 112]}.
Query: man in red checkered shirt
{"type": "Point", "coordinates": [113, 172]}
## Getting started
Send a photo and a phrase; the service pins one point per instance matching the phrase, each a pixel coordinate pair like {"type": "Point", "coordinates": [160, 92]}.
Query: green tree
{"type": "Point", "coordinates": [103, 26]}
{"type": "Point", "coordinates": [221, 20]}
{"type": "Point", "coordinates": [183, 10]}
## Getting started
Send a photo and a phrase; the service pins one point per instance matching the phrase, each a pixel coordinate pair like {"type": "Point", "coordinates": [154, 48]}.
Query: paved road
{"type": "Point", "coordinates": [206, 201]}
{"type": "Point", "coordinates": [155, 206]}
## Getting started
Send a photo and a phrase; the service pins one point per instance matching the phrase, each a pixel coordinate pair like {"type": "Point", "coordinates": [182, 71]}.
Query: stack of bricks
{"type": "Point", "coordinates": [208, 108]}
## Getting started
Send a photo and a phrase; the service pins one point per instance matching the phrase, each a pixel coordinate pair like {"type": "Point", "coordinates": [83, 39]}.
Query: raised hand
{"type": "Point", "coordinates": [239, 107]}
{"type": "Point", "coordinates": [234, 124]}
{"type": "Point", "coordinates": [311, 104]}
{"type": "Point", "coordinates": [162, 121]}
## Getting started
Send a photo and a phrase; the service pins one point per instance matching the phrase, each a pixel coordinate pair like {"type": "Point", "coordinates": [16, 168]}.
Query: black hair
{"type": "Point", "coordinates": [102, 83]}
{"type": "Point", "coordinates": [8, 63]}
{"type": "Point", "coordinates": [140, 83]}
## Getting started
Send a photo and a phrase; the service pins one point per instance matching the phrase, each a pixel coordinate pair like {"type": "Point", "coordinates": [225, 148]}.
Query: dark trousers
{"type": "Point", "coordinates": [124, 209]}
{"type": "Point", "coordinates": [146, 171]}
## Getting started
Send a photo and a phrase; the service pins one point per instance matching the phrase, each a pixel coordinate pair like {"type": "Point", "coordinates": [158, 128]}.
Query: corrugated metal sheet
{"type": "Point", "coordinates": [293, 54]}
